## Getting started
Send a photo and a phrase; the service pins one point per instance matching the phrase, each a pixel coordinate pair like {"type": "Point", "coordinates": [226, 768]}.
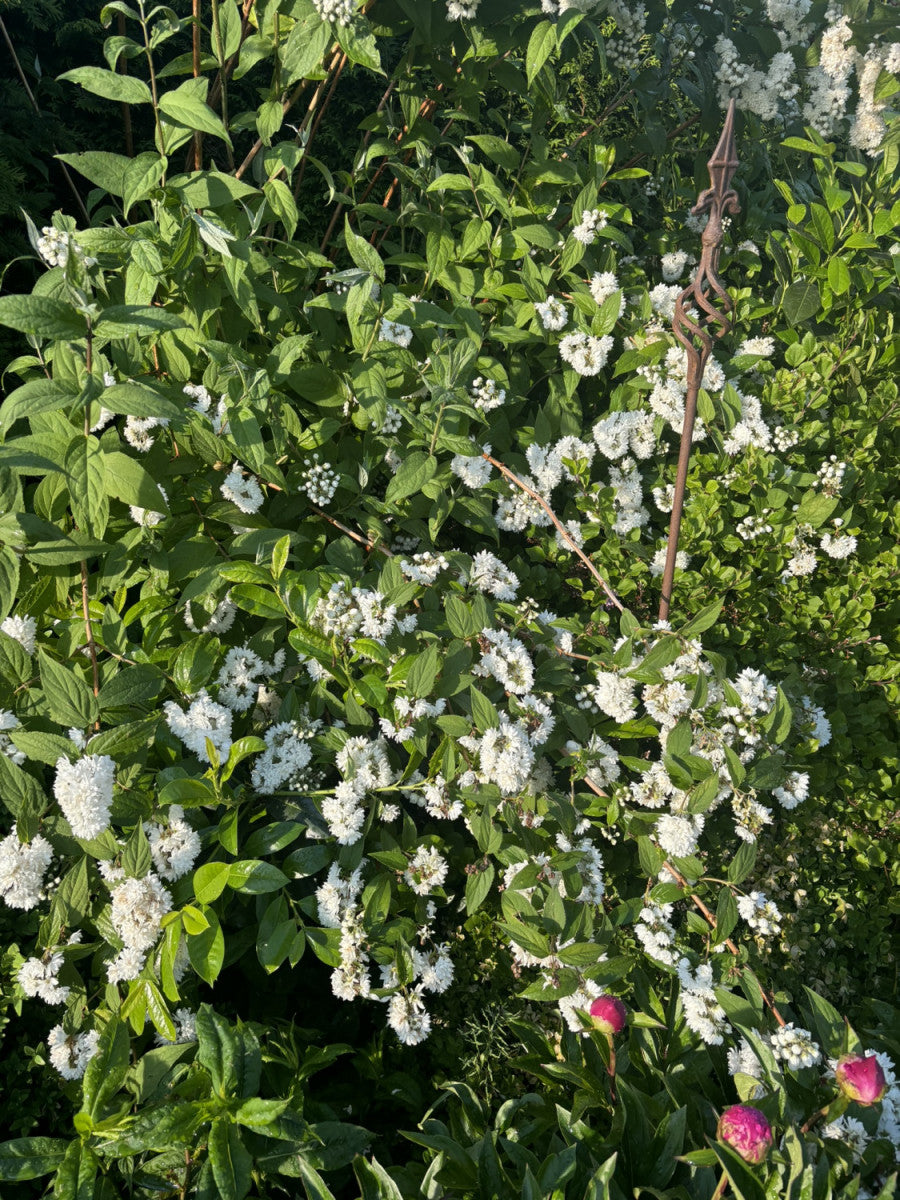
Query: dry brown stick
{"type": "Point", "coordinates": [357, 537]}
{"type": "Point", "coordinates": [126, 111]}
{"type": "Point", "coordinates": [219, 81]}
{"type": "Point", "coordinates": [286, 106]}
{"type": "Point", "coordinates": [35, 106]}
{"type": "Point", "coordinates": [317, 121]}
{"type": "Point", "coordinates": [195, 63]}
{"type": "Point", "coordinates": [561, 529]}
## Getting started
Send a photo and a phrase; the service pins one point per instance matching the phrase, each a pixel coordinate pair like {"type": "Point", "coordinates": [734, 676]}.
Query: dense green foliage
{"type": "Point", "coordinates": [336, 718]}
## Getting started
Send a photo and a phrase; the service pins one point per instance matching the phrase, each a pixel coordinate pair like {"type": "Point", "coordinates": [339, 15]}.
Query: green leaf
{"type": "Point", "coordinates": [231, 1161]}
{"type": "Point", "coordinates": [103, 169]}
{"type": "Point", "coordinates": [374, 1181]}
{"type": "Point", "coordinates": [255, 877]}
{"type": "Point", "coordinates": [30, 1157]}
{"type": "Point", "coordinates": [37, 396]}
{"type": "Point", "coordinates": [69, 699]}
{"type": "Point", "coordinates": [76, 1174]}
{"type": "Point", "coordinates": [72, 901]}
{"type": "Point", "coordinates": [838, 276]}
{"type": "Point", "coordinates": [363, 254]}
{"type": "Point", "coordinates": [127, 480]}
{"type": "Point", "coordinates": [87, 486]}
{"type": "Point", "coordinates": [801, 301]}
{"type": "Point", "coordinates": [125, 320]}
{"type": "Point", "coordinates": [478, 886]}
{"type": "Point", "coordinates": [424, 671]}
{"type": "Point", "coordinates": [484, 714]}
{"type": "Point", "coordinates": [726, 914]}
{"type": "Point", "coordinates": [109, 84]}
{"type": "Point", "coordinates": [42, 316]}
{"type": "Point", "coordinates": [137, 400]}
{"type": "Point", "coordinates": [743, 1182]}
{"type": "Point", "coordinates": [829, 1023]}
{"type": "Point", "coordinates": [705, 619]}
{"type": "Point", "coordinates": [541, 45]}
{"type": "Point", "coordinates": [281, 201]}
{"type": "Point", "coordinates": [302, 54]}
{"type": "Point", "coordinates": [260, 602]}
{"type": "Point", "coordinates": [9, 582]}
{"type": "Point", "coordinates": [142, 175]}
{"type": "Point", "coordinates": [742, 863]}
{"type": "Point", "coordinates": [412, 475]}
{"type": "Point", "coordinates": [106, 1071]}
{"type": "Point", "coordinates": [186, 105]}
{"type": "Point", "coordinates": [210, 881]}
{"type": "Point", "coordinates": [136, 857]}
{"type": "Point", "coordinates": [206, 950]}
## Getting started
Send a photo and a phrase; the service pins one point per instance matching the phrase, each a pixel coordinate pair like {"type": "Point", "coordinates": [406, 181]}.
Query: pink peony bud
{"type": "Point", "coordinates": [746, 1131]}
{"type": "Point", "coordinates": [609, 1014]}
{"type": "Point", "coordinates": [861, 1078]}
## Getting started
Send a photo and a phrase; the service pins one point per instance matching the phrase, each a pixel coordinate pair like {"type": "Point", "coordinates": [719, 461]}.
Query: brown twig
{"type": "Point", "coordinates": [561, 529]}
{"type": "Point", "coordinates": [35, 106]}
{"type": "Point", "coordinates": [317, 122]}
{"type": "Point", "coordinates": [89, 630]}
{"type": "Point", "coordinates": [195, 63]}
{"type": "Point", "coordinates": [357, 537]}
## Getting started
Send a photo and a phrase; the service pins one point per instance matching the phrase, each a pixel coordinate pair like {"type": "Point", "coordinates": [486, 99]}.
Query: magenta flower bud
{"type": "Point", "coordinates": [746, 1131]}
{"type": "Point", "coordinates": [861, 1078]}
{"type": "Point", "coordinates": [609, 1014]}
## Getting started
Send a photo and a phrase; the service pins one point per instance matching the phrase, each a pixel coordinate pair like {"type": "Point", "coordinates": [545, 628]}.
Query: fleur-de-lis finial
{"type": "Point", "coordinates": [705, 299]}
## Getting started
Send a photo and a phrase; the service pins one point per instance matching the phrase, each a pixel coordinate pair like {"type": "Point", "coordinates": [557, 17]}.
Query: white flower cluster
{"type": "Point", "coordinates": [339, 11]}
{"type": "Point", "coordinates": [702, 1011]}
{"type": "Point", "coordinates": [602, 285]}
{"type": "Point", "coordinates": [592, 221]}
{"type": "Point", "coordinates": [284, 760]}
{"type": "Point", "coordinates": [742, 1060]}
{"type": "Point", "coordinates": [624, 48]}
{"type": "Point", "coordinates": [393, 331]}
{"type": "Point", "coordinates": [319, 480]}
{"type": "Point", "coordinates": [358, 612]}
{"type": "Point", "coordinates": [424, 568]}
{"type": "Point", "coordinates": [794, 1047]}
{"type": "Point", "coordinates": [457, 10]}
{"type": "Point", "coordinates": [365, 767]}
{"type": "Point", "coordinates": [138, 907]}
{"type": "Point", "coordinates": [785, 438]}
{"type": "Point", "coordinates": [656, 933]}
{"type": "Point", "coordinates": [473, 470]}
{"type": "Point", "coordinates": [8, 723]}
{"type": "Point", "coordinates": [137, 431]}
{"type": "Point", "coordinates": [764, 347]}
{"type": "Point", "coordinates": [490, 575]}
{"type": "Point", "coordinates": [241, 675]}
{"type": "Point", "coordinates": [620, 432]}
{"type": "Point", "coordinates": [203, 404]}
{"type": "Point", "coordinates": [220, 621]}
{"type": "Point", "coordinates": [21, 629]}
{"type": "Point", "coordinates": [245, 494]}
{"type": "Point", "coordinates": [204, 721]}
{"type": "Point", "coordinates": [22, 869]}
{"type": "Point", "coordinates": [185, 1028]}
{"type": "Point", "coordinates": [760, 913]}
{"type": "Point", "coordinates": [54, 245]}
{"type": "Point", "coordinates": [337, 896]}
{"type": "Point", "coordinates": [518, 510]}
{"type": "Point", "coordinates": [84, 790]}
{"type": "Point", "coordinates": [803, 557]}
{"type": "Point", "coordinates": [585, 354]}
{"type": "Point", "coordinates": [486, 394]}
{"type": "Point", "coordinates": [39, 977]}
{"type": "Point", "coordinates": [753, 526]}
{"type": "Point", "coordinates": [552, 313]}
{"type": "Point", "coordinates": [174, 846]}
{"type": "Point", "coordinates": [407, 713]}
{"type": "Point", "coordinates": [71, 1053]}
{"type": "Point", "coordinates": [426, 871]}
{"type": "Point", "coordinates": [507, 659]}
{"type": "Point", "coordinates": [662, 299]}
{"type": "Point", "coordinates": [838, 547]}
{"type": "Point", "coordinates": [678, 835]}
{"type": "Point", "coordinates": [760, 92]}
{"type": "Point", "coordinates": [505, 757]}
{"type": "Point", "coordinates": [673, 264]}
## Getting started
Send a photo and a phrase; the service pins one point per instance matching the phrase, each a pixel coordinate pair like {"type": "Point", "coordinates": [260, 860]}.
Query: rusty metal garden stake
{"type": "Point", "coordinates": [697, 340]}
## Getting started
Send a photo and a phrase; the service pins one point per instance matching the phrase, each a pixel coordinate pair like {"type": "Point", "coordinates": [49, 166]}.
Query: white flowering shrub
{"type": "Point", "coordinates": [334, 696]}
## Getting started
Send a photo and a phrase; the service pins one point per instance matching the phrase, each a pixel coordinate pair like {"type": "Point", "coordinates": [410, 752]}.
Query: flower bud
{"type": "Point", "coordinates": [609, 1014]}
{"type": "Point", "coordinates": [861, 1078]}
{"type": "Point", "coordinates": [746, 1131]}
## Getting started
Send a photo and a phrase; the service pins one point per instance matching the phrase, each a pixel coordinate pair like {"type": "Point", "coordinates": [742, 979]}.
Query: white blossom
{"type": "Point", "coordinates": [204, 720]}
{"type": "Point", "coordinates": [71, 1053]}
{"type": "Point", "coordinates": [84, 790]}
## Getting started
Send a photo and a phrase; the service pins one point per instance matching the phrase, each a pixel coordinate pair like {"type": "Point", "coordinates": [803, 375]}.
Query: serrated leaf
{"type": "Point", "coordinates": [109, 84]}
{"type": "Point", "coordinates": [69, 699]}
